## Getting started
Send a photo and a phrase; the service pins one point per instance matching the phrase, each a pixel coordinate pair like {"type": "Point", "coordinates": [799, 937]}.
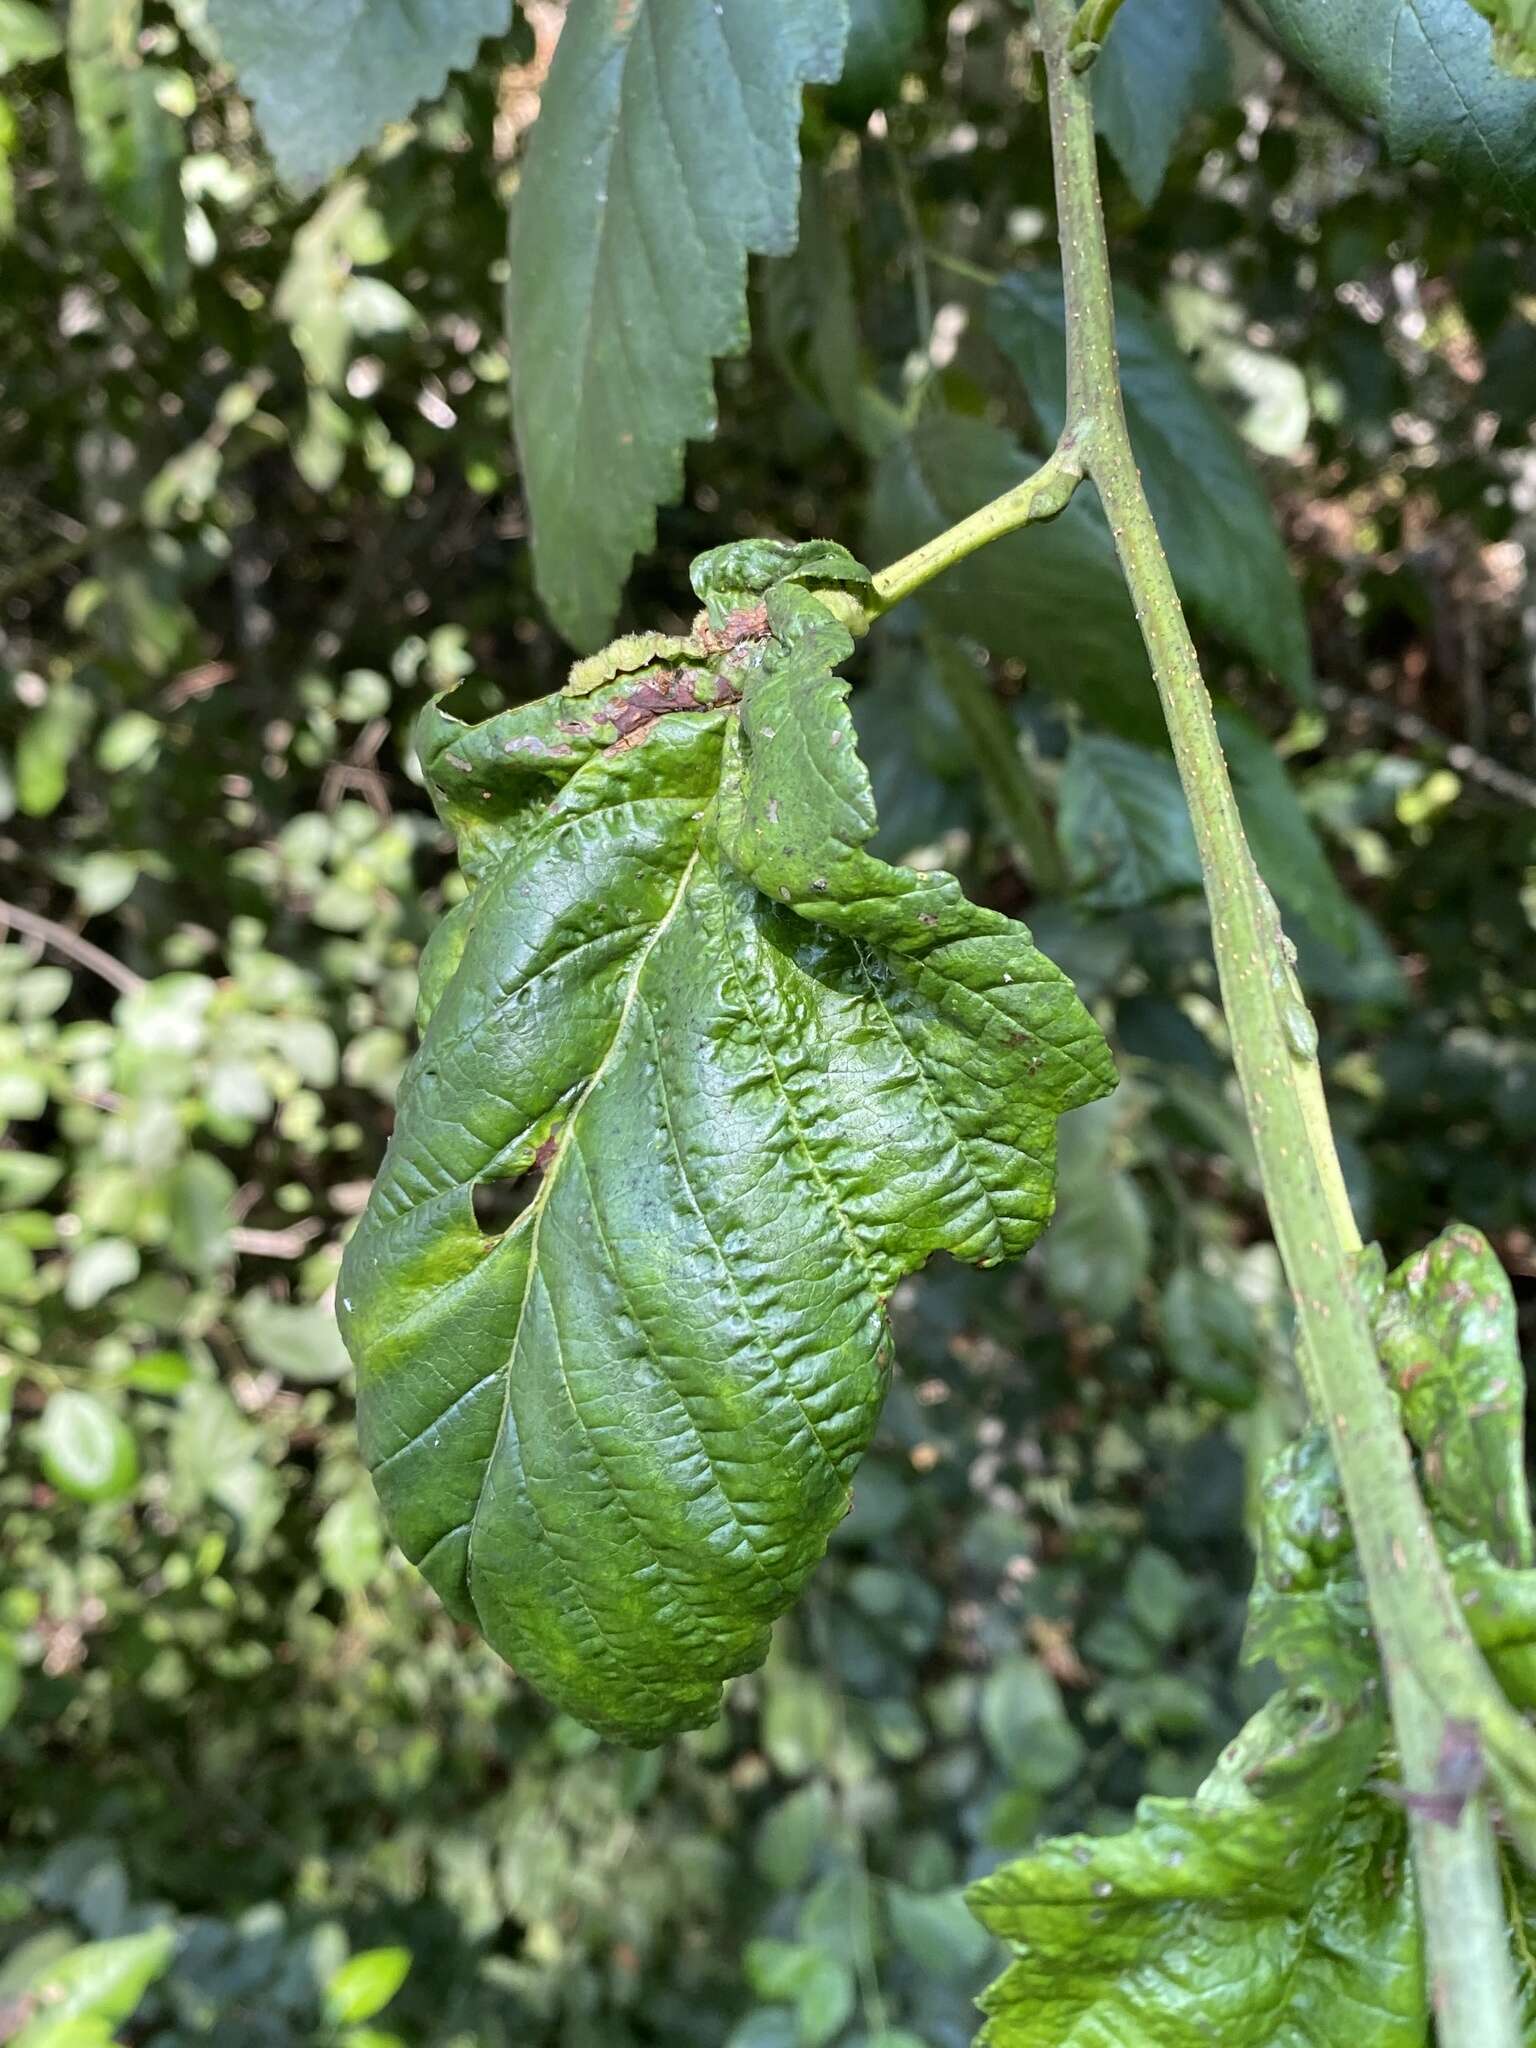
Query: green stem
{"type": "Point", "coordinates": [1005, 776]}
{"type": "Point", "coordinates": [1040, 496]}
{"type": "Point", "coordinates": [1432, 1667]}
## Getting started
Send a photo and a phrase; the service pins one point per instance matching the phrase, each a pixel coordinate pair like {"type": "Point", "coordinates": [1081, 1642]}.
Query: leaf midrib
{"type": "Point", "coordinates": [537, 1207]}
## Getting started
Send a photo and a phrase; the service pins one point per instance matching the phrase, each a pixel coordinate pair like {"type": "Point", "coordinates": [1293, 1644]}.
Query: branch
{"type": "Point", "coordinates": [60, 939]}
{"type": "Point", "coordinates": [1433, 1670]}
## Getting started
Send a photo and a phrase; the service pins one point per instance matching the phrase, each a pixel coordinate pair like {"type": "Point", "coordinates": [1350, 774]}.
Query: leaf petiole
{"type": "Point", "coordinates": [1041, 496]}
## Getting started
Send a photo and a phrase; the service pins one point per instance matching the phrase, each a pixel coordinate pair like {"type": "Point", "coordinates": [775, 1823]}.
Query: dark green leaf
{"type": "Point", "coordinates": [1124, 824]}
{"type": "Point", "coordinates": [747, 1077]}
{"type": "Point", "coordinates": [131, 146]}
{"type": "Point", "coordinates": [1096, 1258]}
{"type": "Point", "coordinates": [818, 1985]}
{"type": "Point", "coordinates": [938, 1932]}
{"type": "Point", "coordinates": [1166, 60]}
{"type": "Point", "coordinates": [1211, 1338]}
{"type": "Point", "coordinates": [1285, 847]}
{"type": "Point", "coordinates": [882, 36]}
{"type": "Point", "coordinates": [1051, 596]}
{"type": "Point", "coordinates": [1276, 1906]}
{"type": "Point", "coordinates": [300, 1340]}
{"type": "Point", "coordinates": [326, 77]}
{"type": "Point", "coordinates": [667, 149]}
{"type": "Point", "coordinates": [1026, 1725]}
{"type": "Point", "coordinates": [86, 1449]}
{"type": "Point", "coordinates": [793, 1835]}
{"type": "Point", "coordinates": [1211, 510]}
{"type": "Point", "coordinates": [1425, 70]}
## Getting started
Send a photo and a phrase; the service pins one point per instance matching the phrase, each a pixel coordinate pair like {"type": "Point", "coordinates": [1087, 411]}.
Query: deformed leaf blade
{"type": "Point", "coordinates": [1447, 1332]}
{"type": "Point", "coordinates": [667, 149]}
{"type": "Point", "coordinates": [748, 1076]}
{"type": "Point", "coordinates": [1273, 1910]}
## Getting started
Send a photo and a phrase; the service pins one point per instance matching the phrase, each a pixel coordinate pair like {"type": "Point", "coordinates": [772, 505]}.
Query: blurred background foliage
{"type": "Point", "coordinates": [257, 500]}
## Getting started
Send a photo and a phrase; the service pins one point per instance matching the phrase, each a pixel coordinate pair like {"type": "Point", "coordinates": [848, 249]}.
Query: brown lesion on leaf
{"type": "Point", "coordinates": [750, 622]}
{"type": "Point", "coordinates": [657, 696]}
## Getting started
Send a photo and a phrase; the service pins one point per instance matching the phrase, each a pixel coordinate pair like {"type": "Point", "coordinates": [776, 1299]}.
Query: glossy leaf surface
{"type": "Point", "coordinates": [1275, 1909]}
{"type": "Point", "coordinates": [667, 149]}
{"type": "Point", "coordinates": [1445, 1325]}
{"type": "Point", "coordinates": [747, 1076]}
{"type": "Point", "coordinates": [1424, 69]}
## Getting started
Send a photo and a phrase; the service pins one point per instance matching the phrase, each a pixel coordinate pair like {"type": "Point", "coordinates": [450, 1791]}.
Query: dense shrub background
{"type": "Point", "coordinates": [257, 500]}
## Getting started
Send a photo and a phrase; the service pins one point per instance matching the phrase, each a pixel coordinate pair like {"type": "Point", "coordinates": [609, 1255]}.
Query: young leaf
{"type": "Point", "coordinates": [1445, 1324]}
{"type": "Point", "coordinates": [326, 77]}
{"type": "Point", "coordinates": [365, 1984]}
{"type": "Point", "coordinates": [1425, 70]}
{"type": "Point", "coordinates": [1166, 60]}
{"type": "Point", "coordinates": [1211, 509]}
{"type": "Point", "coordinates": [667, 149]}
{"type": "Point", "coordinates": [742, 1077]}
{"type": "Point", "coordinates": [1275, 1907]}
{"type": "Point", "coordinates": [103, 1980]}
{"type": "Point", "coordinates": [1051, 596]}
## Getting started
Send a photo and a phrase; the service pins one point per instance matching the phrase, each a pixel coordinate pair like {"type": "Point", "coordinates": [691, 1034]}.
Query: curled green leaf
{"type": "Point", "coordinates": [1272, 1910]}
{"type": "Point", "coordinates": [701, 1080]}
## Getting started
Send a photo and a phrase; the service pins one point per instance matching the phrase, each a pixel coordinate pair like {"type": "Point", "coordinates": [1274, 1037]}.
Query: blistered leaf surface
{"type": "Point", "coordinates": [742, 1076]}
{"type": "Point", "coordinates": [326, 77]}
{"type": "Point", "coordinates": [667, 148]}
{"type": "Point", "coordinates": [1275, 1909]}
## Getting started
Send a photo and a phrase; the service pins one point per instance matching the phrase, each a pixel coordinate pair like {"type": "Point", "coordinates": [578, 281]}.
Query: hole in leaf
{"type": "Point", "coordinates": [499, 1203]}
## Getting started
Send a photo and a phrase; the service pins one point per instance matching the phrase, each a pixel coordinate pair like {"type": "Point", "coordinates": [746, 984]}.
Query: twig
{"type": "Point", "coordinates": [60, 939]}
